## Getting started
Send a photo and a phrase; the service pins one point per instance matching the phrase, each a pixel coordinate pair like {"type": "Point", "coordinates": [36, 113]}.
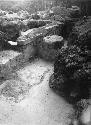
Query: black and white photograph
{"type": "Point", "coordinates": [45, 62]}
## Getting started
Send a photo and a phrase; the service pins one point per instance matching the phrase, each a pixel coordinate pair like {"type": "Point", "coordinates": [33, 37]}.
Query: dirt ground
{"type": "Point", "coordinates": [37, 104]}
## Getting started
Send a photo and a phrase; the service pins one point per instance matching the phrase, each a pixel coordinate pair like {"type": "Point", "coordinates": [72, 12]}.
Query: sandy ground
{"type": "Point", "coordinates": [41, 106]}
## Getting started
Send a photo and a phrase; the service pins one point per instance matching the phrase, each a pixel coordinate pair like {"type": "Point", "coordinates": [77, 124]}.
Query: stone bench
{"type": "Point", "coordinates": [49, 47]}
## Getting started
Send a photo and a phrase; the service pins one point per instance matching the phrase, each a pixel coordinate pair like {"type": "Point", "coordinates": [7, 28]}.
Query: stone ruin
{"type": "Point", "coordinates": [25, 38]}
{"type": "Point", "coordinates": [22, 38]}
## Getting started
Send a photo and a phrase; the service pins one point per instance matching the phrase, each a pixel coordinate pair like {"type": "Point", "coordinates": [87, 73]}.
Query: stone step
{"type": "Point", "coordinates": [9, 61]}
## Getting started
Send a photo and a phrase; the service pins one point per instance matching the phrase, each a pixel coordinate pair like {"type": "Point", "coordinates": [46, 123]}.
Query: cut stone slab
{"type": "Point", "coordinates": [49, 47]}
{"type": "Point", "coordinates": [28, 37]}
{"type": "Point", "coordinates": [33, 35]}
{"type": "Point", "coordinates": [9, 61]}
{"type": "Point", "coordinates": [52, 39]}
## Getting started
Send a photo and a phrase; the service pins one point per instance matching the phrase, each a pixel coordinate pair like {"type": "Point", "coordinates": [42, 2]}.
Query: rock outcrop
{"type": "Point", "coordinates": [35, 33]}
{"type": "Point", "coordinates": [72, 74]}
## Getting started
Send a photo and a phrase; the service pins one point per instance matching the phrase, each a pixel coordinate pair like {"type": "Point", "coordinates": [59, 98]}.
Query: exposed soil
{"type": "Point", "coordinates": [30, 101]}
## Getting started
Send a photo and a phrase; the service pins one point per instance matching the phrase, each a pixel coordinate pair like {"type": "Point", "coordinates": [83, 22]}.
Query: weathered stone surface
{"type": "Point", "coordinates": [37, 23]}
{"type": "Point", "coordinates": [48, 48]}
{"type": "Point", "coordinates": [9, 61]}
{"type": "Point", "coordinates": [28, 37]}
{"type": "Point", "coordinates": [33, 35]}
{"type": "Point", "coordinates": [55, 28]}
